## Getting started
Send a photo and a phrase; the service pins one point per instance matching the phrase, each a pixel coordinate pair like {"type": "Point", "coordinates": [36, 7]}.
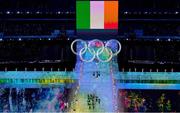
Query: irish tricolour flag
{"type": "Point", "coordinates": [97, 14]}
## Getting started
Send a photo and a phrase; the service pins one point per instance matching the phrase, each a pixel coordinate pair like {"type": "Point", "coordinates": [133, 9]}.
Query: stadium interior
{"type": "Point", "coordinates": [40, 73]}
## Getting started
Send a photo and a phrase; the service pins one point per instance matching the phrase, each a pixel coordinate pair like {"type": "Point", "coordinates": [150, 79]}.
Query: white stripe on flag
{"type": "Point", "coordinates": [97, 14]}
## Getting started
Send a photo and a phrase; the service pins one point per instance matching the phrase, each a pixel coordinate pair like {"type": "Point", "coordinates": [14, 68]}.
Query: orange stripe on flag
{"type": "Point", "coordinates": [111, 14]}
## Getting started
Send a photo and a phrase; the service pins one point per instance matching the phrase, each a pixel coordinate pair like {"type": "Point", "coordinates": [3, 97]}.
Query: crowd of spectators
{"type": "Point", "coordinates": [29, 28]}
{"type": "Point", "coordinates": [125, 28]}
{"type": "Point", "coordinates": [36, 50]}
{"type": "Point", "coordinates": [150, 28]}
{"type": "Point", "coordinates": [33, 5]}
{"type": "Point", "coordinates": [165, 51]}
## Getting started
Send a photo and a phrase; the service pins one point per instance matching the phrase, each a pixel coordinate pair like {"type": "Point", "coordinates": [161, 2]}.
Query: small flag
{"type": "Point", "coordinates": [97, 14]}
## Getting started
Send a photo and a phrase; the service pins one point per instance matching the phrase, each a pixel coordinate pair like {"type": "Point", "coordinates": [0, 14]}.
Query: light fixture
{"type": "Point", "coordinates": [157, 70]}
{"type": "Point", "coordinates": [8, 12]}
{"type": "Point", "coordinates": [145, 12]}
{"type": "Point", "coordinates": [37, 12]}
{"type": "Point", "coordinates": [125, 12]}
{"type": "Point", "coordinates": [59, 12]}
{"type": "Point", "coordinates": [142, 69]}
{"type": "Point", "coordinates": [18, 12]}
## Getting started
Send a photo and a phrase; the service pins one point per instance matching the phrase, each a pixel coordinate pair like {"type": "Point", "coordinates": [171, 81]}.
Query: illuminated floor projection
{"type": "Point", "coordinates": [149, 80]}
{"type": "Point", "coordinates": [34, 99]}
{"type": "Point", "coordinates": [90, 88]}
{"type": "Point", "coordinates": [96, 85]}
{"type": "Point", "coordinates": [35, 79]}
{"type": "Point", "coordinates": [96, 91]}
{"type": "Point", "coordinates": [35, 91]}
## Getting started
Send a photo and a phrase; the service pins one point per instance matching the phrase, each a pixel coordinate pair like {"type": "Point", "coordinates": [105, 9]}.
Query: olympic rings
{"type": "Point", "coordinates": [96, 48]}
{"type": "Point", "coordinates": [119, 44]}
{"type": "Point", "coordinates": [78, 40]}
{"type": "Point", "coordinates": [111, 55]}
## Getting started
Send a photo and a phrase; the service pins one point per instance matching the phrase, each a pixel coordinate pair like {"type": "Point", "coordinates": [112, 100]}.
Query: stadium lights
{"type": "Point", "coordinates": [176, 12]}
{"type": "Point", "coordinates": [169, 39]}
{"type": "Point", "coordinates": [20, 39]}
{"type": "Point", "coordinates": [157, 70]}
{"type": "Point", "coordinates": [172, 70]}
{"type": "Point", "coordinates": [1, 39]}
{"type": "Point", "coordinates": [146, 12]}
{"type": "Point", "coordinates": [18, 12]}
{"type": "Point", "coordinates": [142, 69]}
{"type": "Point", "coordinates": [8, 12]}
{"type": "Point", "coordinates": [157, 39]}
{"type": "Point", "coordinates": [150, 70]}
{"type": "Point", "coordinates": [59, 12]}
{"type": "Point", "coordinates": [37, 12]}
{"type": "Point", "coordinates": [126, 12]}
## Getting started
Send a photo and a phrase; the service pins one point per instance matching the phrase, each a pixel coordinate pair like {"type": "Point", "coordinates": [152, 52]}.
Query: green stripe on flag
{"type": "Point", "coordinates": [83, 14]}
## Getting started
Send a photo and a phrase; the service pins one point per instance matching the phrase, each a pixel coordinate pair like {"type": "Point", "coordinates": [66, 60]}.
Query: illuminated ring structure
{"type": "Point", "coordinates": [87, 47]}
